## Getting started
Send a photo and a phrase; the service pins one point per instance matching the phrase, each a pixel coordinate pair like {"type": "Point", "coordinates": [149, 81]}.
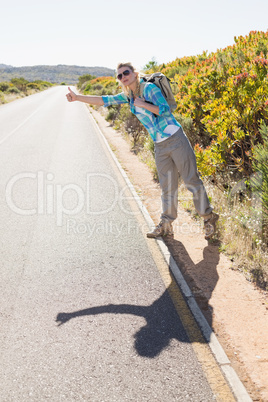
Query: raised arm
{"type": "Point", "coordinates": [92, 100]}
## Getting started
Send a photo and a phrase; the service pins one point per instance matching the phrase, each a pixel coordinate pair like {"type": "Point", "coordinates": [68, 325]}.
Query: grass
{"type": "Point", "coordinates": [239, 231]}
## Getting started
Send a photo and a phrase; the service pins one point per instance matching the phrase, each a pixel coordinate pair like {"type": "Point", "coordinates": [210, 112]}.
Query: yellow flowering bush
{"type": "Point", "coordinates": [226, 96]}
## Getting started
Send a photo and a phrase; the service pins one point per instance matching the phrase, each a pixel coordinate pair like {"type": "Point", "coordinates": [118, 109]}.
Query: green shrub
{"type": "Point", "coordinates": [2, 98]}
{"type": "Point", "coordinates": [4, 86]}
{"type": "Point", "coordinates": [132, 125]}
{"type": "Point", "coordinates": [260, 181]}
{"type": "Point", "coordinates": [43, 84]}
{"type": "Point", "coordinates": [97, 87]}
{"type": "Point", "coordinates": [86, 87]}
{"type": "Point", "coordinates": [190, 129]}
{"type": "Point", "coordinates": [13, 90]}
{"type": "Point", "coordinates": [113, 112]}
{"type": "Point", "coordinates": [20, 83]}
{"type": "Point", "coordinates": [84, 78]}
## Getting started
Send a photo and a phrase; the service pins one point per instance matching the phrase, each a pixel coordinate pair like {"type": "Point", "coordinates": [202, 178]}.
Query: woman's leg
{"type": "Point", "coordinates": [168, 180]}
{"type": "Point", "coordinates": [185, 160]}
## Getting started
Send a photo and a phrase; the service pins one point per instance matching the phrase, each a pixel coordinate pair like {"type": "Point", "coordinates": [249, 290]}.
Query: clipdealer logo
{"type": "Point", "coordinates": [51, 198]}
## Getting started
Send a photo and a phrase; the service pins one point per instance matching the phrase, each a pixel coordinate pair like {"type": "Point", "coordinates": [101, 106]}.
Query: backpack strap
{"type": "Point", "coordinates": [142, 85]}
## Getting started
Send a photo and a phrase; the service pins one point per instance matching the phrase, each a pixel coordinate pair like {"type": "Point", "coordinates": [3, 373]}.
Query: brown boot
{"type": "Point", "coordinates": [164, 228]}
{"type": "Point", "coordinates": [210, 225]}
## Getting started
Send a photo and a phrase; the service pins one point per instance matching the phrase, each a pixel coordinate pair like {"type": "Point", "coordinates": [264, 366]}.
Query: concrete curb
{"type": "Point", "coordinates": [232, 378]}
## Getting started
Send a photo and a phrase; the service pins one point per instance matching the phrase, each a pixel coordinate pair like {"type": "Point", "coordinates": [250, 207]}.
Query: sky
{"type": "Point", "coordinates": [106, 32]}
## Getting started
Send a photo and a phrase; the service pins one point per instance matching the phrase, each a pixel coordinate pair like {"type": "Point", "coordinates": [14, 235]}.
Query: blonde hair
{"type": "Point", "coordinates": [126, 89]}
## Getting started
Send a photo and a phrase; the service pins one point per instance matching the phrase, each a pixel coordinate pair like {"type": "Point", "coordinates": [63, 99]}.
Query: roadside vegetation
{"type": "Point", "coordinates": [20, 87]}
{"type": "Point", "coordinates": [222, 102]}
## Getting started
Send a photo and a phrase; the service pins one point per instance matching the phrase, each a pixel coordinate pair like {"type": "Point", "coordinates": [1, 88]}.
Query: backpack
{"type": "Point", "coordinates": [163, 83]}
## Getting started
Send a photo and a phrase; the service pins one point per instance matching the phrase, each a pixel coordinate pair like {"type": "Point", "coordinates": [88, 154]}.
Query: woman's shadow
{"type": "Point", "coordinates": [162, 323]}
{"type": "Point", "coordinates": [201, 277]}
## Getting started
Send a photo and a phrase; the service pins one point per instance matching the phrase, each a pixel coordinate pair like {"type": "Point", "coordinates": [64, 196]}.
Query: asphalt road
{"type": "Point", "coordinates": [85, 315]}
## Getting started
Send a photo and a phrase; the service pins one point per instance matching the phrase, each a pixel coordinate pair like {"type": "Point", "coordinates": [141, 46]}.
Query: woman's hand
{"type": "Point", "coordinates": [145, 105]}
{"type": "Point", "coordinates": [139, 102]}
{"type": "Point", "coordinates": [91, 100]}
{"type": "Point", "coordinates": [71, 96]}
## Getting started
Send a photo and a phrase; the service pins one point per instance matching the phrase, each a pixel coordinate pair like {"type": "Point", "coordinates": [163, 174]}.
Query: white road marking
{"type": "Point", "coordinates": [19, 126]}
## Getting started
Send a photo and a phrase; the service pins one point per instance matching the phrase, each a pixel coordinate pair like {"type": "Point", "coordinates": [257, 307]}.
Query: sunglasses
{"type": "Point", "coordinates": [126, 73]}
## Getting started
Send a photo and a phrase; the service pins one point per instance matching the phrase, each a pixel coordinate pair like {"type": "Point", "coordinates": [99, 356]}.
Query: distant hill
{"type": "Point", "coordinates": [4, 66]}
{"type": "Point", "coordinates": [54, 74]}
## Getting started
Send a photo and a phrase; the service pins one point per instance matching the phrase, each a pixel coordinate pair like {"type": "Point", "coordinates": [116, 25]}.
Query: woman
{"type": "Point", "coordinates": [174, 155]}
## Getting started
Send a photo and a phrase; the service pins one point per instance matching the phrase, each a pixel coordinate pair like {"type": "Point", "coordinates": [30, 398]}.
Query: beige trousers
{"type": "Point", "coordinates": [175, 156]}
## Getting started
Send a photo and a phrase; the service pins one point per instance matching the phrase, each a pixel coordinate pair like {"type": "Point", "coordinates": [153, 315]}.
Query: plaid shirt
{"type": "Point", "coordinates": [153, 124]}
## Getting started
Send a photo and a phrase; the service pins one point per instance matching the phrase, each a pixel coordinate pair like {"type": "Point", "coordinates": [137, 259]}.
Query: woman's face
{"type": "Point", "coordinates": [126, 75]}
